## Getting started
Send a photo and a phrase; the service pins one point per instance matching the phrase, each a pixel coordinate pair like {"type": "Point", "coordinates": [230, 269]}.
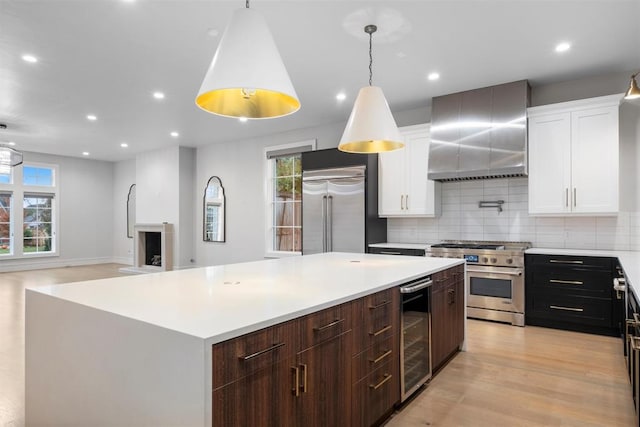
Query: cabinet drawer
{"type": "Point", "coordinates": [249, 353]}
{"type": "Point", "coordinates": [590, 262]}
{"type": "Point", "coordinates": [324, 325]}
{"type": "Point", "coordinates": [376, 394]}
{"type": "Point", "coordinates": [445, 278]}
{"type": "Point", "coordinates": [375, 325]}
{"type": "Point", "coordinates": [374, 357]}
{"type": "Point", "coordinates": [583, 310]}
{"type": "Point", "coordinates": [572, 282]}
{"type": "Point", "coordinates": [396, 251]}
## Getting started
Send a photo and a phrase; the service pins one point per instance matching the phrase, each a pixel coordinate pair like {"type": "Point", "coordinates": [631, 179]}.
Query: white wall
{"type": "Point", "coordinates": [185, 256]}
{"type": "Point", "coordinates": [85, 214]}
{"type": "Point", "coordinates": [124, 174]}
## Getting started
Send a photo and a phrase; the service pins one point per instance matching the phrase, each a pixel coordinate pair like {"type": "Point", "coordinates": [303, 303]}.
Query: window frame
{"type": "Point", "coordinates": [18, 190]}
{"type": "Point", "coordinates": [269, 165]}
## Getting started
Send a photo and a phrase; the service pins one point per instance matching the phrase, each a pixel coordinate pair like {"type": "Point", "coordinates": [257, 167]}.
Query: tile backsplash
{"type": "Point", "coordinates": [462, 219]}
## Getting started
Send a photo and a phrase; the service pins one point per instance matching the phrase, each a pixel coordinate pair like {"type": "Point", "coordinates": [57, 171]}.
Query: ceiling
{"type": "Point", "coordinates": [107, 57]}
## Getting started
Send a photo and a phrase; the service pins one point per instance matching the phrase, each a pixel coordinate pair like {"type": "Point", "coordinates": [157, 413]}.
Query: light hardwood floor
{"type": "Point", "coordinates": [509, 376]}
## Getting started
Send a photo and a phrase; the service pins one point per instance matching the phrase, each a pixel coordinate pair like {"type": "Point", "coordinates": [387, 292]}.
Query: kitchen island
{"type": "Point", "coordinates": [137, 350]}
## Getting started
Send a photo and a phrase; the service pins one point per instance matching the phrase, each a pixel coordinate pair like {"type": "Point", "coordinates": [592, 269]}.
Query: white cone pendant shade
{"type": "Point", "coordinates": [247, 77]}
{"type": "Point", "coordinates": [371, 127]}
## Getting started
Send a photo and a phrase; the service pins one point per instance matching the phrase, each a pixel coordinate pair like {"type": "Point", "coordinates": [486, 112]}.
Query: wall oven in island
{"type": "Point", "coordinates": [415, 338]}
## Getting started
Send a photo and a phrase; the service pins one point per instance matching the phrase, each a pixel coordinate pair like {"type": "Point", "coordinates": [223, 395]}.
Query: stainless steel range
{"type": "Point", "coordinates": [495, 277]}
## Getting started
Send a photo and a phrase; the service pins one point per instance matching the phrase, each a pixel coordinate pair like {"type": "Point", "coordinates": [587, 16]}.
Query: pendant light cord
{"type": "Point", "coordinates": [370, 57]}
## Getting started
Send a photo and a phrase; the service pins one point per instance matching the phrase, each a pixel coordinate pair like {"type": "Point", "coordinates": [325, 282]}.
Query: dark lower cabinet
{"type": "Point", "coordinates": [571, 292]}
{"type": "Point", "coordinates": [374, 396]}
{"type": "Point", "coordinates": [447, 315]}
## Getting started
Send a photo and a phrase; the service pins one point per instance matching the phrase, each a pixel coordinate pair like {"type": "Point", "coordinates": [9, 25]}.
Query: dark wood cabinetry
{"type": "Point", "coordinates": [447, 314]}
{"type": "Point", "coordinates": [571, 292]}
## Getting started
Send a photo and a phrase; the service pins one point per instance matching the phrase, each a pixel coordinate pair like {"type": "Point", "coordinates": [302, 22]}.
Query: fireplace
{"type": "Point", "coordinates": [152, 248]}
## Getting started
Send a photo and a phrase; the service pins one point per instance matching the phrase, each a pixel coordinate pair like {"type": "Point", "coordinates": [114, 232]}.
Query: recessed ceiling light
{"type": "Point", "coordinates": [401, 54]}
{"type": "Point", "coordinates": [29, 58]}
{"type": "Point", "coordinates": [341, 96]}
{"type": "Point", "coordinates": [243, 119]}
{"type": "Point", "coordinates": [563, 47]}
{"type": "Point", "coordinates": [124, 145]}
{"type": "Point", "coordinates": [213, 32]}
{"type": "Point", "coordinates": [85, 153]}
{"type": "Point", "coordinates": [175, 134]}
{"type": "Point", "coordinates": [11, 143]}
{"type": "Point", "coordinates": [433, 76]}
{"type": "Point", "coordinates": [158, 95]}
{"type": "Point", "coordinates": [92, 117]}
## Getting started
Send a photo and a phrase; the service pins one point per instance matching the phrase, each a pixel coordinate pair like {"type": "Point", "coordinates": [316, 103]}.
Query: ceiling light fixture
{"type": "Point", "coordinates": [124, 145]}
{"type": "Point", "coordinates": [433, 76]}
{"type": "Point", "coordinates": [633, 92]}
{"type": "Point", "coordinates": [247, 77]}
{"type": "Point", "coordinates": [92, 117]}
{"type": "Point", "coordinates": [29, 58]}
{"type": "Point", "coordinates": [341, 96]}
{"type": "Point", "coordinates": [563, 47]}
{"type": "Point", "coordinates": [11, 143]}
{"type": "Point", "coordinates": [175, 134]}
{"type": "Point", "coordinates": [158, 95]}
{"type": "Point", "coordinates": [85, 153]}
{"type": "Point", "coordinates": [9, 157]}
{"type": "Point", "coordinates": [371, 127]}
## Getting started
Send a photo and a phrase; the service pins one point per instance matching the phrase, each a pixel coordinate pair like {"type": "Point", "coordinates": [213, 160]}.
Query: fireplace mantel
{"type": "Point", "coordinates": [140, 257]}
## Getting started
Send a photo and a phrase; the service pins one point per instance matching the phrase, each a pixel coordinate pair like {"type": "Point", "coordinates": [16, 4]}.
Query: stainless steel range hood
{"type": "Point", "coordinates": [481, 133]}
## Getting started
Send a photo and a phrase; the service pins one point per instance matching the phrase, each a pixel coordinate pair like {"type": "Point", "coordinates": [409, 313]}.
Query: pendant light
{"type": "Point", "coordinates": [247, 78]}
{"type": "Point", "coordinates": [633, 92]}
{"type": "Point", "coordinates": [9, 158]}
{"type": "Point", "coordinates": [371, 127]}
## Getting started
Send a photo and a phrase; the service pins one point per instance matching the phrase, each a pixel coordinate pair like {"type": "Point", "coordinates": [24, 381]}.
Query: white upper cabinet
{"type": "Point", "coordinates": [573, 157]}
{"type": "Point", "coordinates": [403, 187]}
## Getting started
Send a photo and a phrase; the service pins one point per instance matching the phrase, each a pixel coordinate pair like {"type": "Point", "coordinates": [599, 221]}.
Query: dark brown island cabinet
{"type": "Point", "coordinates": [448, 315]}
{"type": "Point", "coordinates": [336, 367]}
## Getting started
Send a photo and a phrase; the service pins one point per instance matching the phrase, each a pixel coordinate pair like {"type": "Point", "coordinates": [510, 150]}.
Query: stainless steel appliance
{"type": "Point", "coordinates": [495, 277]}
{"type": "Point", "coordinates": [415, 340]}
{"type": "Point", "coordinates": [333, 210]}
{"type": "Point", "coordinates": [480, 133]}
{"type": "Point", "coordinates": [340, 202]}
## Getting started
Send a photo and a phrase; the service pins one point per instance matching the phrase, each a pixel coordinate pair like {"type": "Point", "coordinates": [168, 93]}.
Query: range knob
{"type": "Point", "coordinates": [494, 260]}
{"type": "Point", "coordinates": [509, 261]}
{"type": "Point", "coordinates": [485, 260]}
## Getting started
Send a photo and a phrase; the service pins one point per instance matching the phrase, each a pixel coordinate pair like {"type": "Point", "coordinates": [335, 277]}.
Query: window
{"type": "Point", "coordinates": [5, 174]}
{"type": "Point", "coordinates": [28, 195]}
{"type": "Point", "coordinates": [284, 196]}
{"type": "Point", "coordinates": [6, 245]}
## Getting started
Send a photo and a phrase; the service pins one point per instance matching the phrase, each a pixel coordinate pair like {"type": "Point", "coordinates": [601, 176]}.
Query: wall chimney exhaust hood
{"type": "Point", "coordinates": [480, 133]}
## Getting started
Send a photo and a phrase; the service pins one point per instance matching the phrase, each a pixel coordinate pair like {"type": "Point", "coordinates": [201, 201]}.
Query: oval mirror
{"type": "Point", "coordinates": [214, 211]}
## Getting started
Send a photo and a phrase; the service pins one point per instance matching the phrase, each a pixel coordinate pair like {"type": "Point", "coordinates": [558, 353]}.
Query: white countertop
{"type": "Point", "coordinates": [391, 245]}
{"type": "Point", "coordinates": [223, 302]}
{"type": "Point", "coordinates": [629, 260]}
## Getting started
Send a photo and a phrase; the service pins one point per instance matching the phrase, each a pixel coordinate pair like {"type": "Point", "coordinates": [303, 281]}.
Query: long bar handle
{"type": "Point", "coordinates": [566, 197]}
{"type": "Point", "coordinates": [566, 282]}
{"type": "Point", "coordinates": [296, 381]}
{"type": "Point", "coordinates": [401, 202]}
{"type": "Point", "coordinates": [330, 223]}
{"type": "Point", "coordinates": [558, 307]}
{"type": "Point", "coordinates": [406, 201]}
{"type": "Point", "coordinates": [381, 357]}
{"type": "Point", "coordinates": [381, 331]}
{"type": "Point", "coordinates": [261, 352]}
{"type": "Point", "coordinates": [416, 287]}
{"type": "Point", "coordinates": [575, 197]}
{"type": "Point", "coordinates": [562, 261]}
{"type": "Point", "coordinates": [390, 253]}
{"type": "Point", "coordinates": [324, 223]}
{"type": "Point", "coordinates": [304, 377]}
{"type": "Point", "coordinates": [386, 378]}
{"type": "Point", "coordinates": [452, 296]}
{"type": "Point", "coordinates": [330, 325]}
{"type": "Point", "coordinates": [382, 304]}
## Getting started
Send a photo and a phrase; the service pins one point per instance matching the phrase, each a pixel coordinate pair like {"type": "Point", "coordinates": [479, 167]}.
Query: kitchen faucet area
{"type": "Point", "coordinates": [270, 213]}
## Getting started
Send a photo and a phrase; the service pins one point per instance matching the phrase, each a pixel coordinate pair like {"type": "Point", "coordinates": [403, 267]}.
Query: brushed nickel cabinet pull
{"type": "Point", "coordinates": [382, 304]}
{"type": "Point", "coordinates": [406, 201]}
{"type": "Point", "coordinates": [561, 261]}
{"type": "Point", "coordinates": [382, 356]}
{"type": "Point", "coordinates": [261, 352]}
{"type": "Point", "coordinates": [296, 381]}
{"type": "Point", "coordinates": [381, 331]}
{"type": "Point", "coordinates": [566, 197]}
{"type": "Point", "coordinates": [575, 197]}
{"type": "Point", "coordinates": [401, 202]}
{"type": "Point", "coordinates": [386, 378]}
{"type": "Point", "coordinates": [304, 377]}
{"type": "Point", "coordinates": [390, 253]}
{"type": "Point", "coordinates": [330, 325]}
{"type": "Point", "coordinates": [566, 282]}
{"type": "Point", "coordinates": [558, 307]}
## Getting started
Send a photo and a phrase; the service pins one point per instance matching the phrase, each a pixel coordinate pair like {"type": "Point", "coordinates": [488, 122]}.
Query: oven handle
{"type": "Point", "coordinates": [508, 272]}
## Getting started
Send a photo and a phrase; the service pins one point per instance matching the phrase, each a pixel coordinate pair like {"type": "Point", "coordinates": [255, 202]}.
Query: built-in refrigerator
{"type": "Point", "coordinates": [340, 202]}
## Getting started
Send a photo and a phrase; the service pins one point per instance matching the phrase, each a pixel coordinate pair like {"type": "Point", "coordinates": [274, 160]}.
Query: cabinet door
{"type": "Point", "coordinates": [438, 327]}
{"type": "Point", "coordinates": [594, 160]}
{"type": "Point", "coordinates": [420, 197]}
{"type": "Point", "coordinates": [391, 178]}
{"type": "Point", "coordinates": [325, 386]}
{"type": "Point", "coordinates": [264, 398]}
{"type": "Point", "coordinates": [549, 163]}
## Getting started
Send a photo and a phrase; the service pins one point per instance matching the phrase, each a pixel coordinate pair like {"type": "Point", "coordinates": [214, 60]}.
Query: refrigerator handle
{"type": "Point", "coordinates": [324, 223]}
{"type": "Point", "coordinates": [330, 223]}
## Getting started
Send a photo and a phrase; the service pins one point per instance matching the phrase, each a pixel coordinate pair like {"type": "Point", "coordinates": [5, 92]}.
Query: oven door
{"type": "Point", "coordinates": [495, 288]}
